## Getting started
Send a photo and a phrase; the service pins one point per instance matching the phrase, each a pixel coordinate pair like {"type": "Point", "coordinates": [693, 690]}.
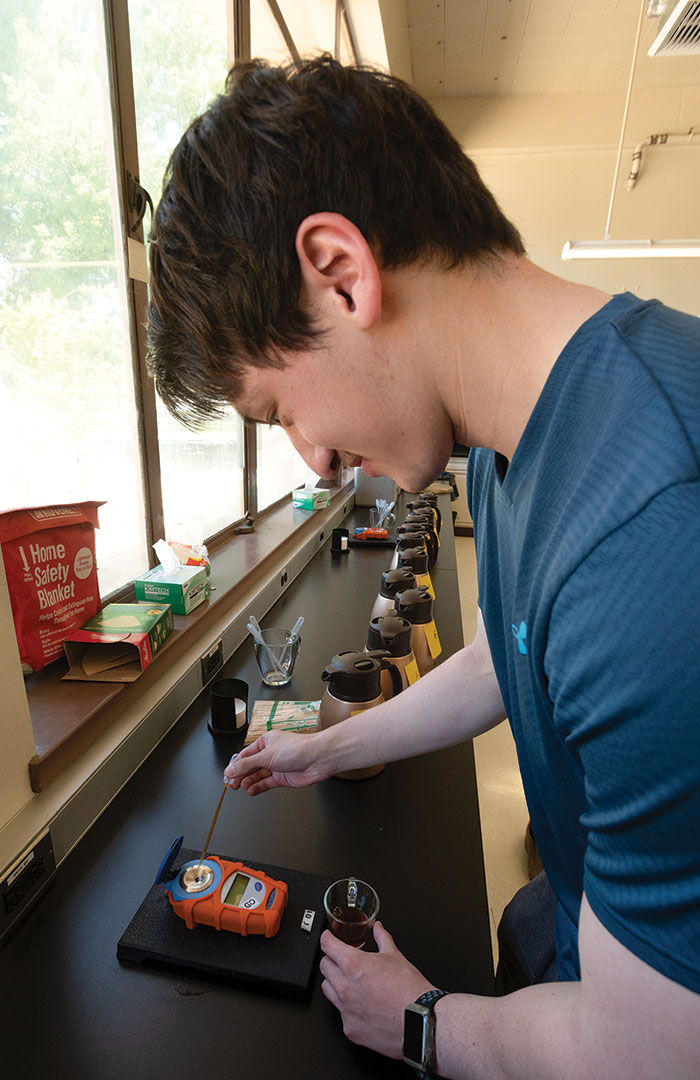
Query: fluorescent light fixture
{"type": "Point", "coordinates": [631, 249]}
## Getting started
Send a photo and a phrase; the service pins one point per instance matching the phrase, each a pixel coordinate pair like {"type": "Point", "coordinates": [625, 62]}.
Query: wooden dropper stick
{"type": "Point", "coordinates": [211, 831]}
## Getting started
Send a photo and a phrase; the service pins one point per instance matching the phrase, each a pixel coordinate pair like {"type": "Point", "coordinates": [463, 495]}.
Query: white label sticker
{"type": "Point", "coordinates": [307, 920]}
{"type": "Point", "coordinates": [83, 563]}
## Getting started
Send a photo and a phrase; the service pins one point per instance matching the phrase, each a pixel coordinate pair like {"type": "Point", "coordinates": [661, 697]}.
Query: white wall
{"type": "Point", "coordinates": [16, 739]}
{"type": "Point", "coordinates": [549, 160]}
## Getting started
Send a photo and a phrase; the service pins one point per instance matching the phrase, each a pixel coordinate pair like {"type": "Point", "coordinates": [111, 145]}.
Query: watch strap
{"type": "Point", "coordinates": [428, 1000]}
{"type": "Point", "coordinates": [430, 997]}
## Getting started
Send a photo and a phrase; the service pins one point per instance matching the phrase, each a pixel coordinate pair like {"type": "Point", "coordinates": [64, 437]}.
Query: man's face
{"type": "Point", "coordinates": [352, 412]}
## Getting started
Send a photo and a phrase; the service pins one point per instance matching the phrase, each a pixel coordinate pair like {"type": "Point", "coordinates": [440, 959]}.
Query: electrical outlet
{"type": "Point", "coordinates": [25, 879]}
{"type": "Point", "coordinates": [283, 579]}
{"type": "Point", "coordinates": [212, 661]}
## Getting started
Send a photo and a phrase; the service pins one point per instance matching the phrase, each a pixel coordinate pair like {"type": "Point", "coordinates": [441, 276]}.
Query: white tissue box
{"type": "Point", "coordinates": [183, 588]}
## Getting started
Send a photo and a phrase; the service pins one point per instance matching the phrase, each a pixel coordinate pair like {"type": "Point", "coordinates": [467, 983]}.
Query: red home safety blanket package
{"type": "Point", "coordinates": [49, 556]}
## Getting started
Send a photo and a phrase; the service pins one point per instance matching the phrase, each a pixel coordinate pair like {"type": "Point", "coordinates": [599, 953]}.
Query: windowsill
{"type": "Point", "coordinates": [67, 717]}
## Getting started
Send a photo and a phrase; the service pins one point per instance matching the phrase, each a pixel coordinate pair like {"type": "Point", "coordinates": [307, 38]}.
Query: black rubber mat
{"type": "Point", "coordinates": [287, 962]}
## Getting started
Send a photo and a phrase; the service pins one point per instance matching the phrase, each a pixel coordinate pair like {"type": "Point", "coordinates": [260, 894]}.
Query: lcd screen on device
{"type": "Point", "coordinates": [235, 893]}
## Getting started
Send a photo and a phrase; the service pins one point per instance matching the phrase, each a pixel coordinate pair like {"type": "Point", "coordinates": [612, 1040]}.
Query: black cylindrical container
{"type": "Point", "coordinates": [224, 719]}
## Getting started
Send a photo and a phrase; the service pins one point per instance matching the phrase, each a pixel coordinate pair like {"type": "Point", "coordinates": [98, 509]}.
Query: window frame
{"type": "Point", "coordinates": [125, 140]}
{"type": "Point", "coordinates": [70, 719]}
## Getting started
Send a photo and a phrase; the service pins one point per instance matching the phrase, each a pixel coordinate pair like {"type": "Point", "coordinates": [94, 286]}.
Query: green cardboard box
{"type": "Point", "coordinates": [118, 643]}
{"type": "Point", "coordinates": [183, 588]}
{"type": "Point", "coordinates": [311, 498]}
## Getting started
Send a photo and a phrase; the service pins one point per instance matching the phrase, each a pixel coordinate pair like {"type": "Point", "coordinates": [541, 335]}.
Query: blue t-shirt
{"type": "Point", "coordinates": [588, 557]}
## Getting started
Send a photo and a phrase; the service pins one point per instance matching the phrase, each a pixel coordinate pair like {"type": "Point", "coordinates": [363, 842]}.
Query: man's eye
{"type": "Point", "coordinates": [274, 421]}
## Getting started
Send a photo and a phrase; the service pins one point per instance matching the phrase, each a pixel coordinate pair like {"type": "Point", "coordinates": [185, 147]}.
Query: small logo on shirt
{"type": "Point", "coordinates": [520, 633]}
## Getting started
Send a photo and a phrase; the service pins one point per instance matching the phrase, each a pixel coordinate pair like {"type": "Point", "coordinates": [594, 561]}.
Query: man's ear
{"type": "Point", "coordinates": [339, 272]}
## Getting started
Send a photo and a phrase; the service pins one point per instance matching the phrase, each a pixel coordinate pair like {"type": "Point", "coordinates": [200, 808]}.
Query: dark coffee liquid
{"type": "Point", "coordinates": [349, 925]}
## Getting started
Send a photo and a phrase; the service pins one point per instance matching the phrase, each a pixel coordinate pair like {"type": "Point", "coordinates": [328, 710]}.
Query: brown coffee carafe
{"type": "Point", "coordinates": [392, 633]}
{"type": "Point", "coordinates": [416, 605]}
{"type": "Point", "coordinates": [431, 497]}
{"type": "Point", "coordinates": [426, 518]}
{"type": "Point", "coordinates": [393, 582]}
{"type": "Point", "coordinates": [354, 685]}
{"type": "Point", "coordinates": [416, 559]}
{"type": "Point", "coordinates": [414, 534]}
{"type": "Point", "coordinates": [425, 502]}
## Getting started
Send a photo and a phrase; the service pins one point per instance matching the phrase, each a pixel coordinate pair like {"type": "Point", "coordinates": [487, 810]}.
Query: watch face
{"type": "Point", "coordinates": [414, 1035]}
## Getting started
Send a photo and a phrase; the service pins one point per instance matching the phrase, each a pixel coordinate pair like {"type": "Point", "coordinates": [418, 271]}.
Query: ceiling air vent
{"type": "Point", "coordinates": [680, 34]}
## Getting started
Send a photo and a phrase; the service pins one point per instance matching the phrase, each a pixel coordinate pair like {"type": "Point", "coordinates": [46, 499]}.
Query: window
{"type": "Point", "coordinates": [302, 28]}
{"type": "Point", "coordinates": [278, 464]}
{"type": "Point", "coordinates": [69, 430]}
{"type": "Point", "coordinates": [93, 96]}
{"type": "Point", "coordinates": [179, 63]}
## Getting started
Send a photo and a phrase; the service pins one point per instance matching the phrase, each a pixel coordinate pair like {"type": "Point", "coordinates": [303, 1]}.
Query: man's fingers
{"type": "Point", "coordinates": [260, 783]}
{"type": "Point", "coordinates": [254, 778]}
{"type": "Point", "coordinates": [338, 951]}
{"type": "Point", "coordinates": [334, 948]}
{"type": "Point", "coordinates": [384, 940]}
{"type": "Point", "coordinates": [328, 989]}
{"type": "Point", "coordinates": [239, 766]}
{"type": "Point", "coordinates": [328, 968]}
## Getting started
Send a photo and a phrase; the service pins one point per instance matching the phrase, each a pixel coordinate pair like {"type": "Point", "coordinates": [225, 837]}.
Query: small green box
{"type": "Point", "coordinates": [118, 643]}
{"type": "Point", "coordinates": [183, 588]}
{"type": "Point", "coordinates": [311, 498]}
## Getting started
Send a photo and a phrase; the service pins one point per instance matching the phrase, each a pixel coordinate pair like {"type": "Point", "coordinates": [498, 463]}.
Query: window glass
{"type": "Point", "coordinates": [266, 41]}
{"type": "Point", "coordinates": [179, 60]}
{"type": "Point", "coordinates": [69, 428]}
{"type": "Point", "coordinates": [280, 468]}
{"type": "Point", "coordinates": [346, 54]}
{"type": "Point", "coordinates": [202, 476]}
{"type": "Point", "coordinates": [311, 24]}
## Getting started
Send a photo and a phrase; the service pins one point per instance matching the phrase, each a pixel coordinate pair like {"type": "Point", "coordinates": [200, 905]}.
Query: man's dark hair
{"type": "Point", "coordinates": [278, 145]}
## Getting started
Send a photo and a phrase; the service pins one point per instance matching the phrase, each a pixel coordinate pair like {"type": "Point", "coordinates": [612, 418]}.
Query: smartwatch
{"type": "Point", "coordinates": [419, 1033]}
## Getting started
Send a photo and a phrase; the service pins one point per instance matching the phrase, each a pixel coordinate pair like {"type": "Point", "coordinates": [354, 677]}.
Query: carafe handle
{"type": "Point", "coordinates": [386, 665]}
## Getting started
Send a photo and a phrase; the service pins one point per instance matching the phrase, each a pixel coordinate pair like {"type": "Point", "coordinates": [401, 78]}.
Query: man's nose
{"type": "Point", "coordinates": [321, 460]}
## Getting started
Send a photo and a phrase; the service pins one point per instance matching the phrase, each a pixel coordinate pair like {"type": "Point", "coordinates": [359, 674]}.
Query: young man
{"type": "Point", "coordinates": [326, 258]}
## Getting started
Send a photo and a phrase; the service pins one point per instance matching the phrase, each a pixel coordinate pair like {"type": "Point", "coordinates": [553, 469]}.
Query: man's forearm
{"type": "Point", "coordinates": [458, 700]}
{"type": "Point", "coordinates": [532, 1034]}
{"type": "Point", "coordinates": [623, 1019]}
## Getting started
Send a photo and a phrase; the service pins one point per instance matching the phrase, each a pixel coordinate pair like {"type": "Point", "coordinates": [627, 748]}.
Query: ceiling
{"type": "Point", "coordinates": [482, 48]}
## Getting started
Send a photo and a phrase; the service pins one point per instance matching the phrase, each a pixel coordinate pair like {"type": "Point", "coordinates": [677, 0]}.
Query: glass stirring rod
{"type": "Point", "coordinates": [211, 831]}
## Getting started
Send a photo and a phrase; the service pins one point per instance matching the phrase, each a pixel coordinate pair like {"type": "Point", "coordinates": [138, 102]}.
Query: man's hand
{"type": "Point", "coordinates": [278, 759]}
{"type": "Point", "coordinates": [371, 990]}
{"type": "Point", "coordinates": [461, 696]}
